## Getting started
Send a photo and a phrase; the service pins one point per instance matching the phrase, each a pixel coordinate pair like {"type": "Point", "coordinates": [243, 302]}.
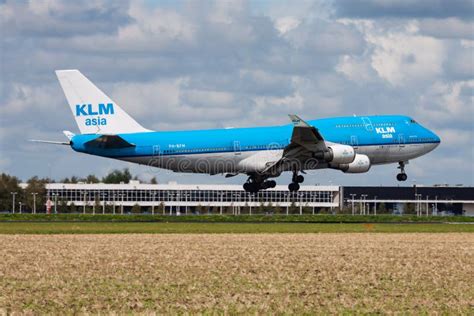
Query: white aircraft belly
{"type": "Point", "coordinates": [212, 163]}
{"type": "Point", "coordinates": [235, 162]}
{"type": "Point", "coordinates": [395, 153]}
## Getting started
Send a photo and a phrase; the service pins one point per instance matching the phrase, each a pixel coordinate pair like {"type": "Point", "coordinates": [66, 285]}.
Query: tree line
{"type": "Point", "coordinates": [36, 187]}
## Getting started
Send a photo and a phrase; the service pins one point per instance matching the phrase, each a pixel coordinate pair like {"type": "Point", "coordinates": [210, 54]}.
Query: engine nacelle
{"type": "Point", "coordinates": [360, 164]}
{"type": "Point", "coordinates": [340, 154]}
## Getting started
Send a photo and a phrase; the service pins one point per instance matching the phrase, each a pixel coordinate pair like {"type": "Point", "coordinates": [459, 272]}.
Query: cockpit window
{"type": "Point", "coordinates": [413, 121]}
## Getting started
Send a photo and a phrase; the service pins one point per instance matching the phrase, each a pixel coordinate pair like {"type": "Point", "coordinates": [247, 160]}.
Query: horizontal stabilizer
{"type": "Point", "coordinates": [109, 142]}
{"type": "Point", "coordinates": [69, 134]}
{"type": "Point", "coordinates": [49, 142]}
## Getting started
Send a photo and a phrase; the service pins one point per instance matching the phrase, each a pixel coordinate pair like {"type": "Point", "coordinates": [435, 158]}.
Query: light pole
{"type": "Point", "coordinates": [93, 204]}
{"type": "Point", "coordinates": [353, 196]}
{"type": "Point", "coordinates": [362, 203]}
{"type": "Point", "coordinates": [366, 206]}
{"type": "Point", "coordinates": [418, 206]}
{"type": "Point", "coordinates": [121, 205]}
{"type": "Point", "coordinates": [153, 204]}
{"type": "Point", "coordinates": [113, 210]}
{"type": "Point", "coordinates": [171, 206]}
{"type": "Point", "coordinates": [103, 204]}
{"type": "Point", "coordinates": [222, 201]}
{"type": "Point", "coordinates": [13, 203]}
{"type": "Point", "coordinates": [84, 206]}
{"type": "Point", "coordinates": [178, 206]}
{"type": "Point", "coordinates": [300, 195]}
{"type": "Point", "coordinates": [55, 203]}
{"type": "Point", "coordinates": [163, 203]}
{"type": "Point", "coordinates": [375, 205]}
{"type": "Point", "coordinates": [250, 204]}
{"type": "Point", "coordinates": [34, 202]}
{"type": "Point", "coordinates": [186, 201]}
{"type": "Point", "coordinates": [427, 205]}
{"type": "Point", "coordinates": [19, 203]}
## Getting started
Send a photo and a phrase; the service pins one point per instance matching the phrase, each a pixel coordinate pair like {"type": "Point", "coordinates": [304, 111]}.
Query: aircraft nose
{"type": "Point", "coordinates": [436, 139]}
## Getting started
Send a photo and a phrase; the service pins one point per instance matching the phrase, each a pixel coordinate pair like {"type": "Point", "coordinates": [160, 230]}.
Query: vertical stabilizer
{"type": "Point", "coordinates": [94, 111]}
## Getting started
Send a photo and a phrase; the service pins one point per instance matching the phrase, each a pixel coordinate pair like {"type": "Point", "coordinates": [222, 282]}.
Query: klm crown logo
{"type": "Point", "coordinates": [89, 110]}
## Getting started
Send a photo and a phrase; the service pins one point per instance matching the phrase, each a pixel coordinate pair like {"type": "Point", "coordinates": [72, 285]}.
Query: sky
{"type": "Point", "coordinates": [176, 65]}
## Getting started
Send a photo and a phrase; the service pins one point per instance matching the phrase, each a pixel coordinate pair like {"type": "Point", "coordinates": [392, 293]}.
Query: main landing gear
{"type": "Point", "coordinates": [255, 184]}
{"type": "Point", "coordinates": [402, 176]}
{"type": "Point", "coordinates": [296, 180]}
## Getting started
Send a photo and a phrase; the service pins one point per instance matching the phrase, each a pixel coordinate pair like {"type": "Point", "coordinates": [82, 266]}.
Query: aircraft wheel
{"type": "Point", "coordinates": [402, 177]}
{"type": "Point", "coordinates": [271, 184]}
{"type": "Point", "coordinates": [293, 187]}
{"type": "Point", "coordinates": [247, 186]}
{"type": "Point", "coordinates": [299, 179]}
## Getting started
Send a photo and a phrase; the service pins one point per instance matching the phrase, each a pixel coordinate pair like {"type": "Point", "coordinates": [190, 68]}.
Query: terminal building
{"type": "Point", "coordinates": [177, 199]}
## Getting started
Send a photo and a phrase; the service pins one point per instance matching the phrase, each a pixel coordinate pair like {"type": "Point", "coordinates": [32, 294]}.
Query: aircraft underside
{"type": "Point", "coordinates": [233, 163]}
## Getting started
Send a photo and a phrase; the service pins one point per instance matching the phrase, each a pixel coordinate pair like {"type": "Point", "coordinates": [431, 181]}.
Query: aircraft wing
{"type": "Point", "coordinates": [305, 141]}
{"type": "Point", "coordinates": [305, 136]}
{"type": "Point", "coordinates": [109, 142]}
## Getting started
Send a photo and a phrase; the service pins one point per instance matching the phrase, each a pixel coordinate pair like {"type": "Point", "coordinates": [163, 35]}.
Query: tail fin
{"type": "Point", "coordinates": [94, 111]}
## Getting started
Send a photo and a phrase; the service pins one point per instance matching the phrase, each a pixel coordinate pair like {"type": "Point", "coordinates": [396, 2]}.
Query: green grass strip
{"type": "Point", "coordinates": [323, 218]}
{"type": "Point", "coordinates": [219, 228]}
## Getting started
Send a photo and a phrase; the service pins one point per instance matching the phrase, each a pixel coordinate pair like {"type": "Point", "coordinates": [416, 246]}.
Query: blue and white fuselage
{"type": "Point", "coordinates": [384, 139]}
{"type": "Point", "coordinates": [350, 144]}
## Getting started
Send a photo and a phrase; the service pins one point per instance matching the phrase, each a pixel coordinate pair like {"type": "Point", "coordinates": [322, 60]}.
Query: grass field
{"type": "Point", "coordinates": [216, 218]}
{"type": "Point", "coordinates": [237, 273]}
{"type": "Point", "coordinates": [163, 227]}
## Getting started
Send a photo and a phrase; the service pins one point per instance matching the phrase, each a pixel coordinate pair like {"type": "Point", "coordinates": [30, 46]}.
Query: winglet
{"type": "Point", "coordinates": [297, 121]}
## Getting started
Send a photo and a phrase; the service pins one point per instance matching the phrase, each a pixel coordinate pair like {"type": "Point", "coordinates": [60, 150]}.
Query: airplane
{"type": "Point", "coordinates": [350, 144]}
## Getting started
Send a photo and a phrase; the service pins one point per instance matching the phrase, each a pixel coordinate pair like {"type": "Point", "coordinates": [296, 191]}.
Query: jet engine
{"type": "Point", "coordinates": [360, 164]}
{"type": "Point", "coordinates": [337, 154]}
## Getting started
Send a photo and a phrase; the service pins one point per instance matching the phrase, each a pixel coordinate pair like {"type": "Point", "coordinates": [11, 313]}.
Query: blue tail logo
{"type": "Point", "coordinates": [89, 110]}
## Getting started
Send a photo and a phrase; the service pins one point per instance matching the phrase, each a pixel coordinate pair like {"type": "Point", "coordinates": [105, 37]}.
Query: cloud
{"type": "Point", "coordinates": [215, 64]}
{"type": "Point", "coordinates": [287, 23]}
{"type": "Point", "coordinates": [326, 38]}
{"type": "Point", "coordinates": [448, 104]}
{"type": "Point", "coordinates": [53, 18]}
{"type": "Point", "coordinates": [447, 28]}
{"type": "Point", "coordinates": [460, 64]}
{"type": "Point", "coordinates": [404, 8]}
{"type": "Point", "coordinates": [403, 57]}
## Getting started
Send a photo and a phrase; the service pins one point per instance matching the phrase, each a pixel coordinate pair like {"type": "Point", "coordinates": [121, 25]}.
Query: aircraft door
{"type": "Point", "coordinates": [401, 140]}
{"type": "Point", "coordinates": [156, 150]}
{"type": "Point", "coordinates": [368, 124]}
{"type": "Point", "coordinates": [237, 150]}
{"type": "Point", "coordinates": [354, 141]}
{"type": "Point", "coordinates": [154, 161]}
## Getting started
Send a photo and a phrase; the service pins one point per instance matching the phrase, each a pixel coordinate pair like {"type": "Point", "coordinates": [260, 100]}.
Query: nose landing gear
{"type": "Point", "coordinates": [402, 176]}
